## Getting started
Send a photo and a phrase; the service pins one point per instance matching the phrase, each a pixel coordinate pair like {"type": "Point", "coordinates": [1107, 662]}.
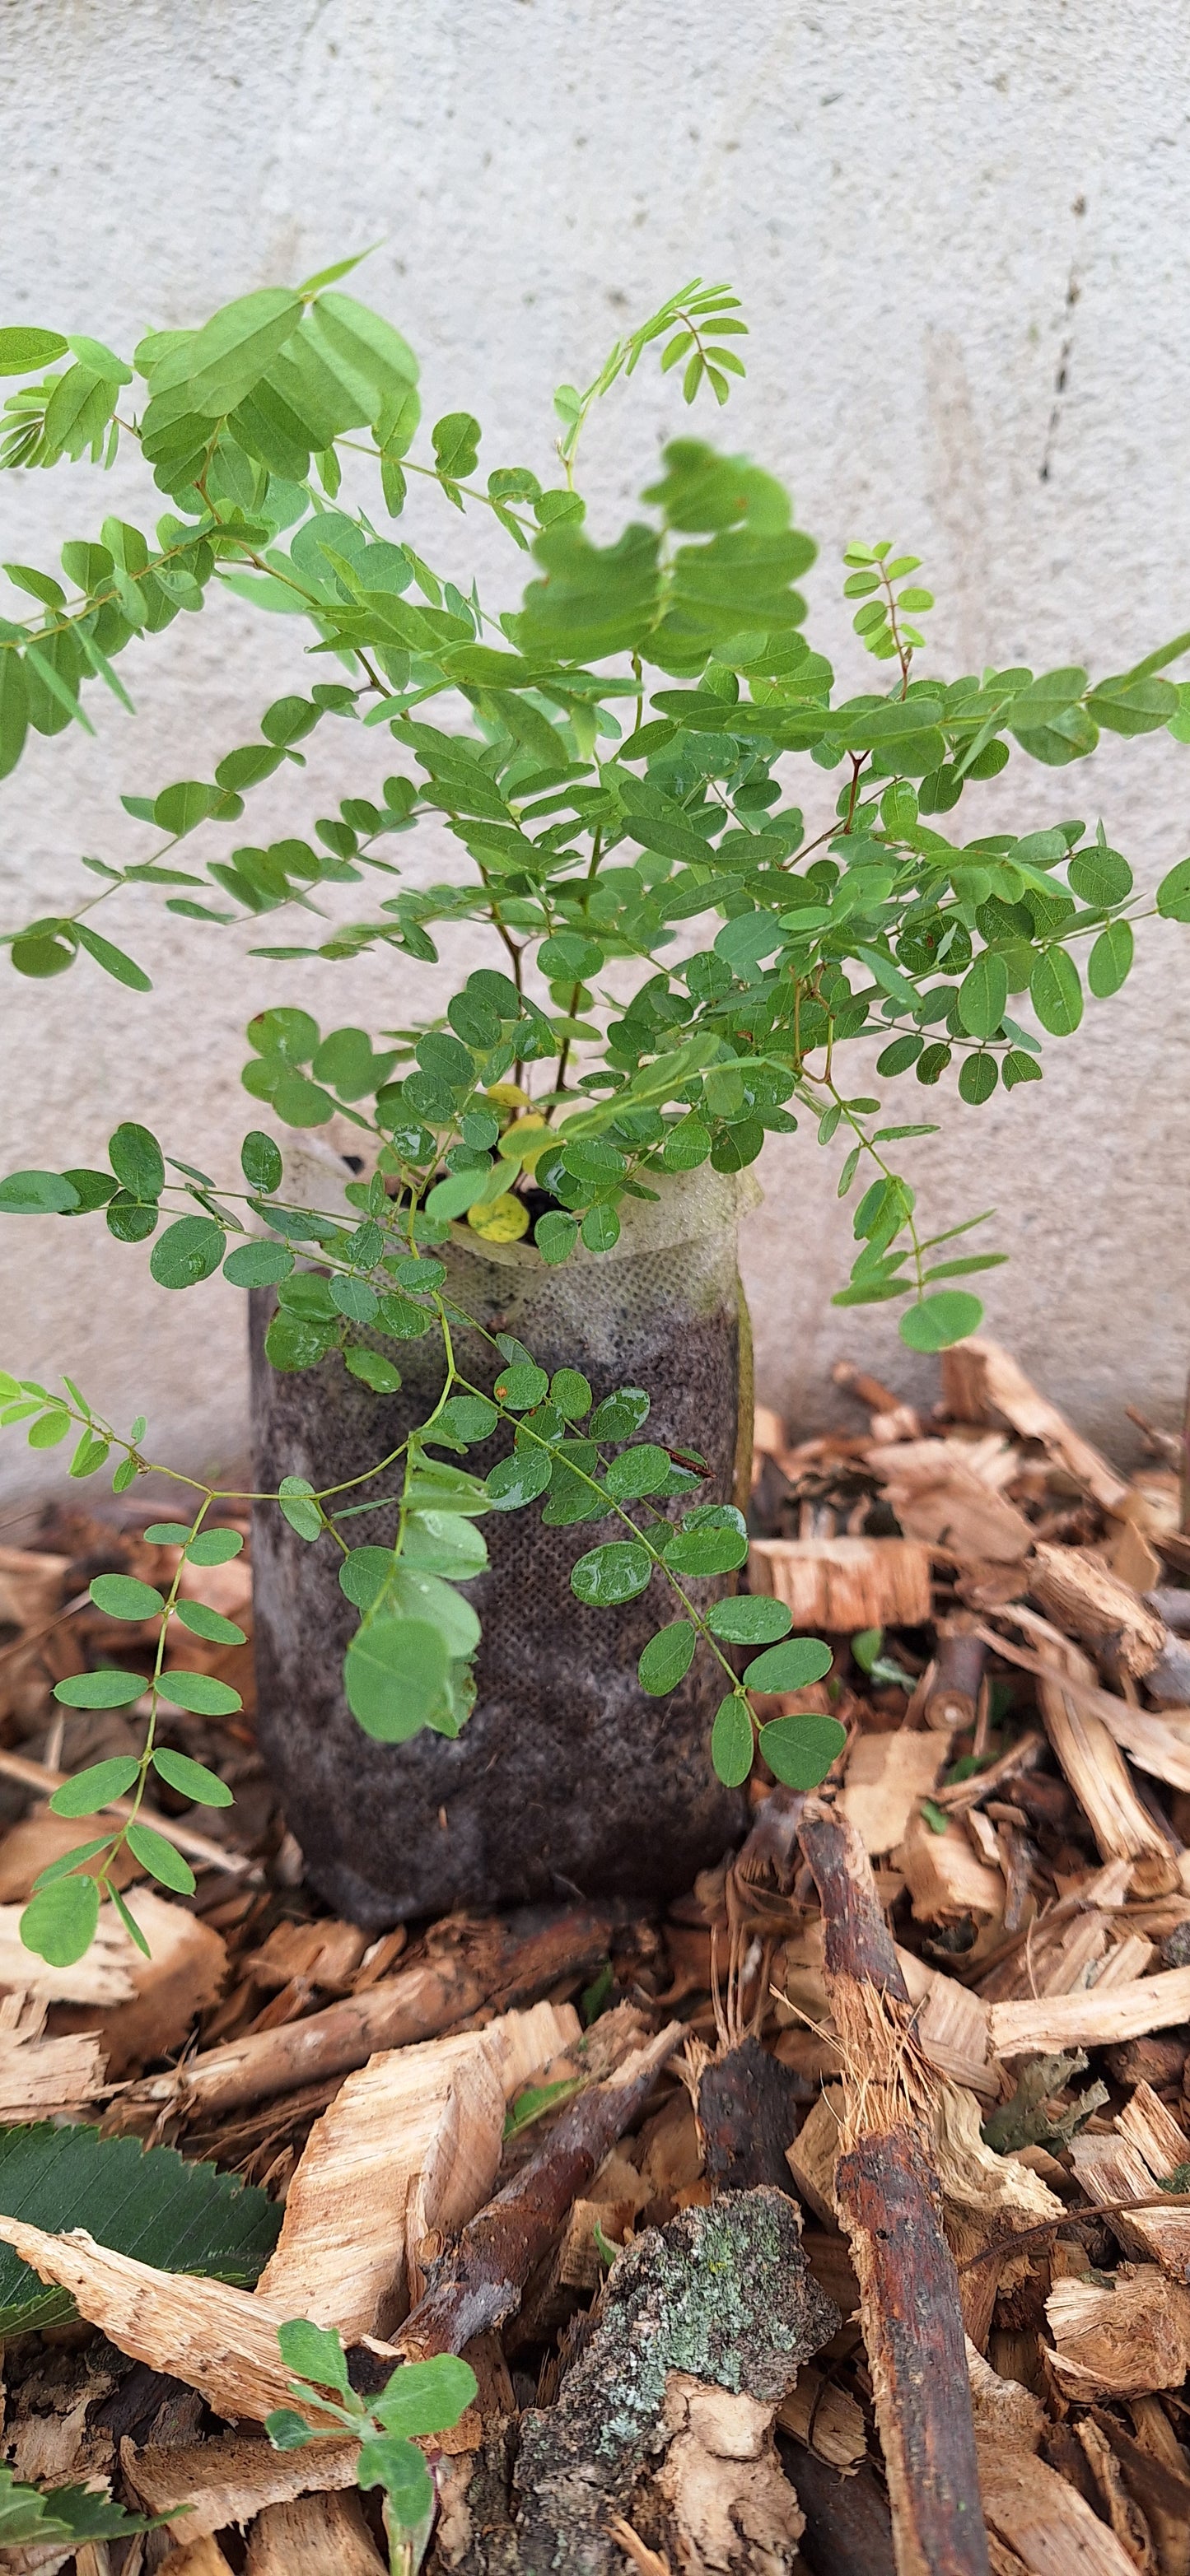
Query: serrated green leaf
{"type": "Point", "coordinates": [36, 2516]}
{"type": "Point", "coordinates": [146, 2202]}
{"type": "Point", "coordinates": [314, 2353]}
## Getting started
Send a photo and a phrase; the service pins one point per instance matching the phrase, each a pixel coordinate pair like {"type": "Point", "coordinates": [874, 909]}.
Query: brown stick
{"type": "Point", "coordinates": [887, 2200]}
{"type": "Point", "coordinates": [488, 1966]}
{"type": "Point", "coordinates": [953, 1694]}
{"type": "Point", "coordinates": [478, 2284]}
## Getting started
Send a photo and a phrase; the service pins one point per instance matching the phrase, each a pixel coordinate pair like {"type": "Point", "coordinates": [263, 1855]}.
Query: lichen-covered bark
{"type": "Point", "coordinates": [722, 2294]}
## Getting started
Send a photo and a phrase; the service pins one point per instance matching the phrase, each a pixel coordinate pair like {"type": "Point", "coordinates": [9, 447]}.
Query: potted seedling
{"type": "Point", "coordinates": [500, 1357]}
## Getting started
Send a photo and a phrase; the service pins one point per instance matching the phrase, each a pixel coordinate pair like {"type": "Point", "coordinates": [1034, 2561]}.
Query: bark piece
{"type": "Point", "coordinates": [316, 2535]}
{"type": "Point", "coordinates": [485, 1963]}
{"type": "Point", "coordinates": [721, 2296]}
{"type": "Point", "coordinates": [945, 1877]}
{"type": "Point", "coordinates": [1082, 1596]}
{"type": "Point", "coordinates": [1119, 2342]}
{"type": "Point", "coordinates": [221, 2340]}
{"type": "Point", "coordinates": [848, 2527]}
{"type": "Point", "coordinates": [408, 2149]}
{"type": "Point", "coordinates": [887, 2201]}
{"type": "Point", "coordinates": [747, 2112]}
{"type": "Point", "coordinates": [40, 2077]}
{"type": "Point", "coordinates": [952, 1700]}
{"type": "Point", "coordinates": [886, 1779]}
{"type": "Point", "coordinates": [730, 2508]}
{"type": "Point", "coordinates": [231, 2478]}
{"type": "Point", "coordinates": [1090, 2019]}
{"type": "Point", "coordinates": [980, 1380]}
{"type": "Point", "coordinates": [844, 1583]}
{"type": "Point", "coordinates": [323, 1954]}
{"type": "Point", "coordinates": [478, 2283]}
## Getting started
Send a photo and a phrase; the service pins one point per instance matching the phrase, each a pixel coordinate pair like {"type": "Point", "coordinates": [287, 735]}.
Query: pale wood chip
{"type": "Point", "coordinates": [230, 2479]}
{"type": "Point", "coordinates": [1090, 2020]}
{"type": "Point", "coordinates": [844, 1583]}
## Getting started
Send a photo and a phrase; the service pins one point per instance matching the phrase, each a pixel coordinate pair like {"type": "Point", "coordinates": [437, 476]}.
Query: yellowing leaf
{"type": "Point", "coordinates": [502, 1221]}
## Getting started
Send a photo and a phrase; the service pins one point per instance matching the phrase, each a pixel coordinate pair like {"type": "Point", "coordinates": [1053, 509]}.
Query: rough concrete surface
{"type": "Point", "coordinates": [961, 240]}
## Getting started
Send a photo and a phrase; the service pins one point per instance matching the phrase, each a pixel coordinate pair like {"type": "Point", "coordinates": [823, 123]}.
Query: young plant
{"type": "Point", "coordinates": [682, 953]}
{"type": "Point", "coordinates": [421, 2398]}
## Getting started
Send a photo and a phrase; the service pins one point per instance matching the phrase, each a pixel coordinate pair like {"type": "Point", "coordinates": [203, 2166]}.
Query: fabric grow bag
{"type": "Point", "coordinates": [567, 1779]}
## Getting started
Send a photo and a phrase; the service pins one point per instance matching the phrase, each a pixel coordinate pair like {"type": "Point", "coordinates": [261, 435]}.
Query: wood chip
{"type": "Point", "coordinates": [1090, 2019]}
{"type": "Point", "coordinates": [1094, 1765]}
{"type": "Point", "coordinates": [1120, 2342]}
{"type": "Point", "coordinates": [316, 2535]}
{"type": "Point", "coordinates": [1083, 1597]}
{"type": "Point", "coordinates": [485, 1962]}
{"type": "Point", "coordinates": [231, 2478]}
{"type": "Point", "coordinates": [40, 2078]}
{"type": "Point", "coordinates": [324, 1954]}
{"type": "Point", "coordinates": [183, 1974]}
{"type": "Point", "coordinates": [408, 2150]}
{"type": "Point", "coordinates": [1048, 2526]}
{"type": "Point", "coordinates": [202, 2558]}
{"type": "Point", "coordinates": [981, 1380]}
{"type": "Point", "coordinates": [31, 1587]}
{"type": "Point", "coordinates": [826, 2419]}
{"type": "Point", "coordinates": [844, 1583]}
{"type": "Point", "coordinates": [220, 2340]}
{"type": "Point", "coordinates": [887, 1777]}
{"type": "Point", "coordinates": [941, 1500]}
{"type": "Point", "coordinates": [945, 1878]}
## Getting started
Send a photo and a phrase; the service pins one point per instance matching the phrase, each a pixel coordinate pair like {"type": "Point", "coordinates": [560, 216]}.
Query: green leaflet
{"type": "Point", "coordinates": [33, 2516]}
{"type": "Point", "coordinates": [145, 2202]}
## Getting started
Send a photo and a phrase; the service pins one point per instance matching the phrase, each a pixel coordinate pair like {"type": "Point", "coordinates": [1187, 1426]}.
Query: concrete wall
{"type": "Point", "coordinates": [961, 236]}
